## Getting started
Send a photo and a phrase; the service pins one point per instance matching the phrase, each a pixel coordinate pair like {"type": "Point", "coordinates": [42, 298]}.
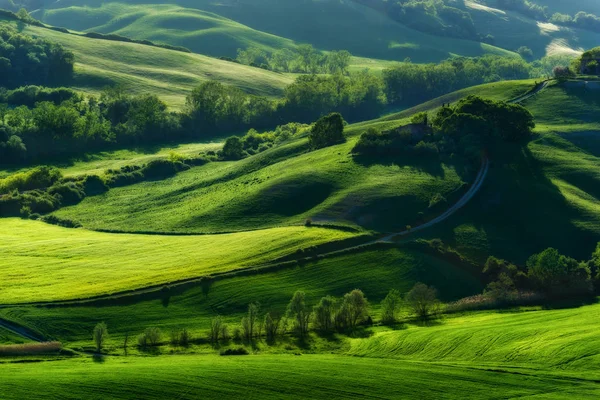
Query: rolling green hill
{"type": "Point", "coordinates": [219, 29]}
{"type": "Point", "coordinates": [555, 175]}
{"type": "Point", "coordinates": [146, 69]}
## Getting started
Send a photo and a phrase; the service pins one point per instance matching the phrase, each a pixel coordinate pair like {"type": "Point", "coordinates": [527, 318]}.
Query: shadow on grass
{"type": "Point", "coordinates": [426, 163]}
{"type": "Point", "coordinates": [99, 358]}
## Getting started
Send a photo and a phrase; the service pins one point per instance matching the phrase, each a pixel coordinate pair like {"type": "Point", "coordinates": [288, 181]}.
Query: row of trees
{"type": "Point", "coordinates": [302, 59]}
{"type": "Point", "coordinates": [329, 315]}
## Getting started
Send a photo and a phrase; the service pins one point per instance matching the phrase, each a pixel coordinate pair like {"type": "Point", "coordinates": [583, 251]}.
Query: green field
{"type": "Point", "coordinates": [145, 69]}
{"type": "Point", "coordinates": [289, 377]}
{"type": "Point", "coordinates": [42, 262]}
{"type": "Point", "coordinates": [219, 29]}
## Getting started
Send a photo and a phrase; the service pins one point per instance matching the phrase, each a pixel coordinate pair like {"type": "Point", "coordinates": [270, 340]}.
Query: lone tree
{"type": "Point", "coordinates": [357, 307]}
{"type": "Point", "coordinates": [327, 131]}
{"type": "Point", "coordinates": [100, 336]}
{"type": "Point", "coordinates": [422, 299]}
{"type": "Point", "coordinates": [390, 307]}
{"type": "Point", "coordinates": [233, 148]}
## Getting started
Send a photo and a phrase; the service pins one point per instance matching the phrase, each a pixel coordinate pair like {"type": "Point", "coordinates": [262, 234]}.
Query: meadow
{"type": "Point", "coordinates": [42, 262]}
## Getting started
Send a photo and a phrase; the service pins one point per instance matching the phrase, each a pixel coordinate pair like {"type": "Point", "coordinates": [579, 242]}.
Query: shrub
{"type": "Point", "coordinates": [28, 349]}
{"type": "Point", "coordinates": [422, 299]}
{"type": "Point", "coordinates": [327, 131]}
{"type": "Point", "coordinates": [240, 351]}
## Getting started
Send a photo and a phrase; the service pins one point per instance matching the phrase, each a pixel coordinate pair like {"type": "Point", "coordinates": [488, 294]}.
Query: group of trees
{"type": "Point", "coordinates": [470, 126]}
{"type": "Point", "coordinates": [581, 20]}
{"type": "Point", "coordinates": [302, 59]}
{"type": "Point", "coordinates": [525, 7]}
{"type": "Point", "coordinates": [27, 60]}
{"type": "Point", "coordinates": [409, 84]}
{"type": "Point", "coordinates": [549, 272]}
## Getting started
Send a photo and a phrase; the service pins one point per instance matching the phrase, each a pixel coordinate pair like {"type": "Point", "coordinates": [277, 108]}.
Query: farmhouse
{"type": "Point", "coordinates": [590, 62]}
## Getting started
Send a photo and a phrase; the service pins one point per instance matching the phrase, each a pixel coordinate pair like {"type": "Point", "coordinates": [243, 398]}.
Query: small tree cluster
{"type": "Point", "coordinates": [327, 131]}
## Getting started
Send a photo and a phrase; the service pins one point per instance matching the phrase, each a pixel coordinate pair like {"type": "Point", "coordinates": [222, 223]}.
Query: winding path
{"type": "Point", "coordinates": [18, 330]}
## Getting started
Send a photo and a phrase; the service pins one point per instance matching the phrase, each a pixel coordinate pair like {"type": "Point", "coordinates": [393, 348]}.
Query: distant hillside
{"type": "Point", "coordinates": [219, 29]}
{"type": "Point", "coordinates": [146, 69]}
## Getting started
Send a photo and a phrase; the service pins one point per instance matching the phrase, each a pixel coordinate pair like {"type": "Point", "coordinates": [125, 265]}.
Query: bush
{"type": "Point", "coordinates": [327, 131]}
{"type": "Point", "coordinates": [240, 351]}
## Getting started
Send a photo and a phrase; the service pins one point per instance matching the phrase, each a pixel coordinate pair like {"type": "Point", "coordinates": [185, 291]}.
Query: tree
{"type": "Point", "coordinates": [525, 52]}
{"type": "Point", "coordinates": [323, 314]}
{"type": "Point", "coordinates": [299, 312]}
{"type": "Point", "coordinates": [273, 326]}
{"type": "Point", "coordinates": [233, 148]}
{"type": "Point", "coordinates": [249, 322]}
{"type": "Point", "coordinates": [390, 307]}
{"type": "Point", "coordinates": [422, 299]}
{"type": "Point", "coordinates": [327, 131]}
{"type": "Point", "coordinates": [216, 325]}
{"type": "Point", "coordinates": [152, 336]}
{"type": "Point", "coordinates": [100, 335]}
{"type": "Point", "coordinates": [356, 307]}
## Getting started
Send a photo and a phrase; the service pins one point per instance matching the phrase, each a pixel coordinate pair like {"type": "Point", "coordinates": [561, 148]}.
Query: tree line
{"type": "Point", "coordinates": [329, 315]}
{"type": "Point", "coordinates": [302, 59]}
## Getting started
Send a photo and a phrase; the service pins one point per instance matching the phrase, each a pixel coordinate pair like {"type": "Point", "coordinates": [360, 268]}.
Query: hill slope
{"type": "Point", "coordinates": [146, 69]}
{"type": "Point", "coordinates": [219, 29]}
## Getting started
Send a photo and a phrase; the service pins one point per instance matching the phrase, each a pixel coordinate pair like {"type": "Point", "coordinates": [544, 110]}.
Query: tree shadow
{"type": "Point", "coordinates": [99, 358]}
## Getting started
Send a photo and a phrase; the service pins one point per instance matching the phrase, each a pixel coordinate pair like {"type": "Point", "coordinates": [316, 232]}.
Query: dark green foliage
{"type": "Point", "coordinates": [557, 274]}
{"type": "Point", "coordinates": [29, 95]}
{"type": "Point", "coordinates": [233, 149]}
{"type": "Point", "coordinates": [410, 84]}
{"type": "Point", "coordinates": [28, 60]}
{"type": "Point", "coordinates": [390, 307]}
{"type": "Point", "coordinates": [94, 185]}
{"type": "Point", "coordinates": [327, 131]}
{"type": "Point", "coordinates": [240, 351]}
{"type": "Point", "coordinates": [68, 193]}
{"type": "Point", "coordinates": [581, 20]}
{"type": "Point", "coordinates": [303, 59]}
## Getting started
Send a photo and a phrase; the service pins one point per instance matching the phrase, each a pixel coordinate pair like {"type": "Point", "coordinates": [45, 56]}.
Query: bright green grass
{"type": "Point", "coordinates": [374, 271]}
{"type": "Point", "coordinates": [545, 194]}
{"type": "Point", "coordinates": [42, 262]}
{"type": "Point", "coordinates": [146, 69]}
{"type": "Point", "coordinates": [281, 186]}
{"type": "Point", "coordinates": [563, 341]}
{"type": "Point", "coordinates": [219, 29]}
{"type": "Point", "coordinates": [286, 377]}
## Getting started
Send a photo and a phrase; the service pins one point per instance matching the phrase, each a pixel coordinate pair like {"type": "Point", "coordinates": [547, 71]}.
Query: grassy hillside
{"type": "Point", "coordinates": [544, 195]}
{"type": "Point", "coordinates": [145, 69]}
{"type": "Point", "coordinates": [219, 29]}
{"type": "Point", "coordinates": [43, 262]}
{"type": "Point", "coordinates": [562, 341]}
{"type": "Point", "coordinates": [374, 271]}
{"type": "Point", "coordinates": [309, 376]}
{"type": "Point", "coordinates": [281, 186]}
